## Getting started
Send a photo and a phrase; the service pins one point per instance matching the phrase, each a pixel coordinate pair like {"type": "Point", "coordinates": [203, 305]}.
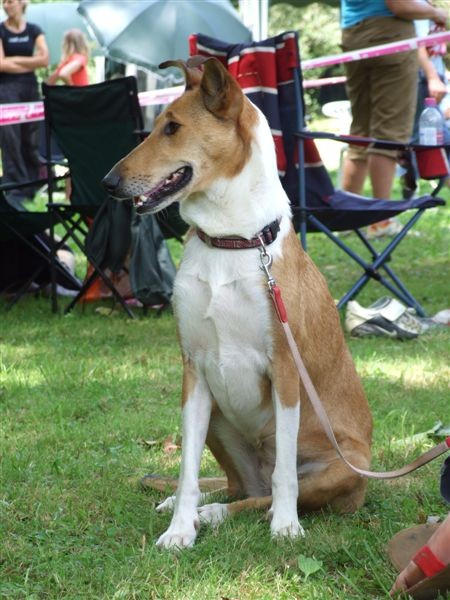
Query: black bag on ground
{"type": "Point", "coordinates": [109, 238]}
{"type": "Point", "coordinates": [152, 270]}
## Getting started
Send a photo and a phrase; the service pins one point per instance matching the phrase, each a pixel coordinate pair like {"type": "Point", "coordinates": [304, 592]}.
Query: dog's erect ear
{"type": "Point", "coordinates": [221, 93]}
{"type": "Point", "coordinates": [191, 71]}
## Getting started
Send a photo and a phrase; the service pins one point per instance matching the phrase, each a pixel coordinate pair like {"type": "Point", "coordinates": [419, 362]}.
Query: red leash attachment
{"type": "Point", "coordinates": [275, 292]}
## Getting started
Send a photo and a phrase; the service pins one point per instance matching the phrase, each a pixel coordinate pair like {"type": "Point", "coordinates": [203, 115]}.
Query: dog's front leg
{"type": "Point", "coordinates": [196, 415]}
{"type": "Point", "coordinates": [283, 513]}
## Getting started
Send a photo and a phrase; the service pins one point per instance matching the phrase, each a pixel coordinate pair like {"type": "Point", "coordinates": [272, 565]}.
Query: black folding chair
{"type": "Point", "coordinates": [94, 126]}
{"type": "Point", "coordinates": [269, 72]}
{"type": "Point", "coordinates": [29, 256]}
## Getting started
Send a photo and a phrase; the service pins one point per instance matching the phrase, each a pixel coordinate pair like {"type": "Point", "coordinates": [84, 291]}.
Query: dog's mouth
{"type": "Point", "coordinates": [151, 200]}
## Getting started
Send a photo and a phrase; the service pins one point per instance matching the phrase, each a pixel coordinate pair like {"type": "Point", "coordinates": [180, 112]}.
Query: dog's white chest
{"type": "Point", "coordinates": [223, 314]}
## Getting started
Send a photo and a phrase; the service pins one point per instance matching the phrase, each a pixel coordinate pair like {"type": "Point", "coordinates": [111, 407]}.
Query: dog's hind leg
{"type": "Point", "coordinates": [216, 513]}
{"type": "Point", "coordinates": [215, 484]}
{"type": "Point", "coordinates": [236, 456]}
{"type": "Point", "coordinates": [241, 464]}
{"type": "Point", "coordinates": [326, 480]}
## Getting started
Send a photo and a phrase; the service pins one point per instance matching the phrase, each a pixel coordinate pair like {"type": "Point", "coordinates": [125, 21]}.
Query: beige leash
{"type": "Point", "coordinates": [275, 293]}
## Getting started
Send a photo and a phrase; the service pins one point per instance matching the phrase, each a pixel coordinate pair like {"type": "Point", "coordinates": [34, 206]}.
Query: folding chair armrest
{"type": "Point", "coordinates": [364, 141]}
{"type": "Point", "coordinates": [55, 163]}
{"type": "Point", "coordinates": [356, 140]}
{"type": "Point", "coordinates": [58, 205]}
{"type": "Point", "coordinates": [6, 187]}
{"type": "Point", "coordinates": [431, 162]}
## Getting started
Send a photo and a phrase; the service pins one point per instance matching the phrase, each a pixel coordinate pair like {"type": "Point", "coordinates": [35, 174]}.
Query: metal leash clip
{"type": "Point", "coordinates": [266, 263]}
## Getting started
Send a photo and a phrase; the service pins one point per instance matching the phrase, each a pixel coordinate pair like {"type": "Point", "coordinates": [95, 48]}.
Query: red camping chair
{"type": "Point", "coordinates": [269, 73]}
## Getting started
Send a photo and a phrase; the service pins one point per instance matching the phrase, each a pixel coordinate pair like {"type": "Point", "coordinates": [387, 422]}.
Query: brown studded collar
{"type": "Point", "coordinates": [265, 237]}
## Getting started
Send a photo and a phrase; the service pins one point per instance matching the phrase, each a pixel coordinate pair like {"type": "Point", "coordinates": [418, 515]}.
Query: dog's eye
{"type": "Point", "coordinates": [171, 127]}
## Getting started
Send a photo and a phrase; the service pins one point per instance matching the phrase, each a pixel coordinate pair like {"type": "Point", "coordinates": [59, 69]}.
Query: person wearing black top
{"type": "Point", "coordinates": [22, 50]}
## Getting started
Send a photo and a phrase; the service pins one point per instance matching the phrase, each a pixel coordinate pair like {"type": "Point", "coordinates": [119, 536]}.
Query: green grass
{"type": "Point", "coordinates": [80, 396]}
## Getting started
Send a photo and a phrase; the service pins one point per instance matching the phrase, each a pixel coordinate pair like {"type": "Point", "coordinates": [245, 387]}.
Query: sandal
{"type": "Point", "coordinates": [411, 545]}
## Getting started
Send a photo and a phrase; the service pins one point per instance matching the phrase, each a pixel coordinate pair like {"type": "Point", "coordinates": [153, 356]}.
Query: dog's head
{"type": "Point", "coordinates": [201, 137]}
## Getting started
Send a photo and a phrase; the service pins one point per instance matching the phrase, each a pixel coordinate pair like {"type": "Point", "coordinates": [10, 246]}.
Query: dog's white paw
{"type": "Point", "coordinates": [282, 525]}
{"type": "Point", "coordinates": [179, 536]}
{"type": "Point", "coordinates": [290, 530]}
{"type": "Point", "coordinates": [167, 506]}
{"type": "Point", "coordinates": [214, 513]}
{"type": "Point", "coordinates": [176, 541]}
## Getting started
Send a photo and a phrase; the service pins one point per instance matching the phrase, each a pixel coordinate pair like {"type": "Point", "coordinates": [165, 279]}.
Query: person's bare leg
{"type": "Point", "coordinates": [354, 175]}
{"type": "Point", "coordinates": [381, 172]}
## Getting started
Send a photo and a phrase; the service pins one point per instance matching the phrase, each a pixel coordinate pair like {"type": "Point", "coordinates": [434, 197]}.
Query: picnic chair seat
{"type": "Point", "coordinates": [95, 126]}
{"type": "Point", "coordinates": [269, 73]}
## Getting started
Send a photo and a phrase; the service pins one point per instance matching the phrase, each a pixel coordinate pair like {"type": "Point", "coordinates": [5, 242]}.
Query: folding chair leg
{"type": "Point", "coordinates": [75, 229]}
{"type": "Point", "coordinates": [86, 285]}
{"type": "Point", "coordinates": [400, 291]}
{"type": "Point", "coordinates": [364, 279]}
{"type": "Point", "coordinates": [371, 270]}
{"type": "Point", "coordinates": [23, 288]}
{"type": "Point", "coordinates": [411, 301]}
{"type": "Point", "coordinates": [95, 275]}
{"type": "Point", "coordinates": [53, 256]}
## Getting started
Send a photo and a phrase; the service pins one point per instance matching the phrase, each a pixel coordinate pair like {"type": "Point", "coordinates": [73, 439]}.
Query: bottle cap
{"type": "Point", "coordinates": [430, 102]}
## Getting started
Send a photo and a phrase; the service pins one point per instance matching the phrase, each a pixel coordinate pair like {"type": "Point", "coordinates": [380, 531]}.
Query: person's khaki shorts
{"type": "Point", "coordinates": [382, 90]}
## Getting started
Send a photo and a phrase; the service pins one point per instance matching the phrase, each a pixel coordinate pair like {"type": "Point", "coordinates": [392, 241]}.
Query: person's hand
{"type": "Point", "coordinates": [439, 544]}
{"type": "Point", "coordinates": [52, 78]}
{"type": "Point", "coordinates": [440, 17]}
{"type": "Point", "coordinates": [410, 575]}
{"type": "Point", "coordinates": [436, 88]}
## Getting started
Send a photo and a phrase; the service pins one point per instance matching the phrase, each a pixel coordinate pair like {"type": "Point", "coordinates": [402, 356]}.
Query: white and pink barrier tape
{"type": "Point", "coordinates": [434, 39]}
{"type": "Point", "coordinates": [24, 112]}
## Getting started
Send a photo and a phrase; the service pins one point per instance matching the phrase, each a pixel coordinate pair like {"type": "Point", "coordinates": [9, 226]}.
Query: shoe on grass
{"type": "Point", "coordinates": [388, 228]}
{"type": "Point", "coordinates": [386, 317]}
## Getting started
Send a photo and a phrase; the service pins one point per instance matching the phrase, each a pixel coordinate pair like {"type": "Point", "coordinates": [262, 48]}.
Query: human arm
{"type": "Point", "coordinates": [66, 70]}
{"type": "Point", "coordinates": [7, 65]}
{"type": "Point", "coordinates": [436, 88]}
{"type": "Point", "coordinates": [53, 77]}
{"type": "Point", "coordinates": [39, 59]}
{"type": "Point", "coordinates": [417, 9]}
{"type": "Point", "coordinates": [439, 543]}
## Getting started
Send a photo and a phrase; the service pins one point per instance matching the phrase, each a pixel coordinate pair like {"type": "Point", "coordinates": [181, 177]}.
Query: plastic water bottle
{"type": "Point", "coordinates": [431, 124]}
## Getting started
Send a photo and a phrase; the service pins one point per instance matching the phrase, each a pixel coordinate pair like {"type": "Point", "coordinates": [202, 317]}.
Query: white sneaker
{"type": "Point", "coordinates": [385, 317]}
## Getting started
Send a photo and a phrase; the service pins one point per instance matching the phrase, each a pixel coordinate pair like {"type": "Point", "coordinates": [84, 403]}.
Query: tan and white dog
{"type": "Point", "coordinates": [212, 151]}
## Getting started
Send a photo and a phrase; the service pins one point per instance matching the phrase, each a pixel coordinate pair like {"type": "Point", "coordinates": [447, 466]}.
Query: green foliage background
{"type": "Point", "coordinates": [319, 34]}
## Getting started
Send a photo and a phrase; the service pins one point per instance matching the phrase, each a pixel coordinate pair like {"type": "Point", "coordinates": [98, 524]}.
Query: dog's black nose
{"type": "Point", "coordinates": [111, 181]}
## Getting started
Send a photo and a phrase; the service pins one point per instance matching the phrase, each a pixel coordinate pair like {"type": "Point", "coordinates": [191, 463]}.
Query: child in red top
{"type": "Point", "coordinates": [72, 69]}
